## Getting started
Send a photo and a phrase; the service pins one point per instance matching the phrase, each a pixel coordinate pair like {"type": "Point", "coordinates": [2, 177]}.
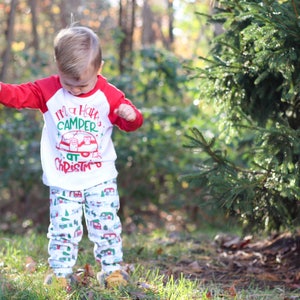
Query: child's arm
{"type": "Point", "coordinates": [32, 95]}
{"type": "Point", "coordinates": [26, 95]}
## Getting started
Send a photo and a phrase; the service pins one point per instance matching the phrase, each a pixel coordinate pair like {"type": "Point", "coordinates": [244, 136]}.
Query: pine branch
{"type": "Point", "coordinates": [295, 9]}
{"type": "Point", "coordinates": [199, 142]}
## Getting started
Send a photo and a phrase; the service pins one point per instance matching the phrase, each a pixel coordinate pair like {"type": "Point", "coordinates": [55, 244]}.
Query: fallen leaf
{"type": "Point", "coordinates": [229, 292]}
{"type": "Point", "coordinates": [232, 291]}
{"type": "Point", "coordinates": [30, 265]}
{"type": "Point", "coordinates": [159, 251]}
{"type": "Point", "coordinates": [236, 242]}
{"type": "Point", "coordinates": [84, 275]}
{"type": "Point", "coordinates": [209, 295]}
{"type": "Point", "coordinates": [268, 277]}
{"type": "Point", "coordinates": [194, 267]}
{"type": "Point", "coordinates": [89, 270]}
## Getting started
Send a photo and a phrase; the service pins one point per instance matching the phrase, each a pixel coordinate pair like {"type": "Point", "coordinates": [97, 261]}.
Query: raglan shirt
{"type": "Point", "coordinates": [77, 151]}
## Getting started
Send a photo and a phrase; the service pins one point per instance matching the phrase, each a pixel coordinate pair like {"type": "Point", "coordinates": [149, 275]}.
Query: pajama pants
{"type": "Point", "coordinates": [99, 205]}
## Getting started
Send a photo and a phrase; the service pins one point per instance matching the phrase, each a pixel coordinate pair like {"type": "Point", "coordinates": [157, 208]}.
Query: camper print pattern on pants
{"type": "Point", "coordinates": [99, 205]}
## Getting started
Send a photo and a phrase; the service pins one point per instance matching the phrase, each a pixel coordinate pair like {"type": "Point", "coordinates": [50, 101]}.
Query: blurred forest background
{"type": "Point", "coordinates": [218, 84]}
{"type": "Point", "coordinates": [148, 47]}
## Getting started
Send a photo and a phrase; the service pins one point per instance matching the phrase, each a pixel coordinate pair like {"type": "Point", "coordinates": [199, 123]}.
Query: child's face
{"type": "Point", "coordinates": [84, 85]}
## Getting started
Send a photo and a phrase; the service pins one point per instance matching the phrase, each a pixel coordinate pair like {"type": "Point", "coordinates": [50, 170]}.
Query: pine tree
{"type": "Point", "coordinates": [253, 79]}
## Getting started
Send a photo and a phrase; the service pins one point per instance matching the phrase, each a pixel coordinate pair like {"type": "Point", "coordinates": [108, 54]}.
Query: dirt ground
{"type": "Point", "coordinates": [233, 261]}
{"type": "Point", "coordinates": [242, 262]}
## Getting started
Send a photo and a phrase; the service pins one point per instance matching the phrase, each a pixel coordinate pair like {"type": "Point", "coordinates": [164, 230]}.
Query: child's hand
{"type": "Point", "coordinates": [126, 112]}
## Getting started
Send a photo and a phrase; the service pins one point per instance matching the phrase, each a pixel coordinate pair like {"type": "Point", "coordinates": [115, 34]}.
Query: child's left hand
{"type": "Point", "coordinates": [126, 112]}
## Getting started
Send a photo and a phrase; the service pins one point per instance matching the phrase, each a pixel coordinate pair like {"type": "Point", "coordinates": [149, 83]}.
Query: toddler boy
{"type": "Point", "coordinates": [80, 108]}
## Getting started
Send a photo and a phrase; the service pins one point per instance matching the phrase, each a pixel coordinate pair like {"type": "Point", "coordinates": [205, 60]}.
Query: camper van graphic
{"type": "Point", "coordinates": [79, 142]}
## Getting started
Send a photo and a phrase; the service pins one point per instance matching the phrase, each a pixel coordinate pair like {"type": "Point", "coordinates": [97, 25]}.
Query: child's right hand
{"type": "Point", "coordinates": [126, 112]}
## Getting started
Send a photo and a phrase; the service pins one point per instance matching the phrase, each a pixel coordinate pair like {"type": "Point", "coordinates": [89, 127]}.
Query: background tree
{"type": "Point", "coordinates": [154, 15]}
{"type": "Point", "coordinates": [251, 167]}
{"type": "Point", "coordinates": [127, 25]}
{"type": "Point", "coordinates": [8, 37]}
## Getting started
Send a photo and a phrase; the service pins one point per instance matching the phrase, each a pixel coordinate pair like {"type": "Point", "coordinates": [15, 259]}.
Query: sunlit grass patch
{"type": "Point", "coordinates": [162, 266]}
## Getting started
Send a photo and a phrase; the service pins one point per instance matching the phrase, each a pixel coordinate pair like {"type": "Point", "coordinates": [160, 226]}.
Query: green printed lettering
{"type": "Point", "coordinates": [77, 124]}
{"type": "Point", "coordinates": [60, 125]}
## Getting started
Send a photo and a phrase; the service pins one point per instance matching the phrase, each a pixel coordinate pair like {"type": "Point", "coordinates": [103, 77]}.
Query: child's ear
{"type": "Point", "coordinates": [101, 66]}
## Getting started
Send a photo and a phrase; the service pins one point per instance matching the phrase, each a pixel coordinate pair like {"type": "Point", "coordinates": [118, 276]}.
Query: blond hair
{"type": "Point", "coordinates": [75, 49]}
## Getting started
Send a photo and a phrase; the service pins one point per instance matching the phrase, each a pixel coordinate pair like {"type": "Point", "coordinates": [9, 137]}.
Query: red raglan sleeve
{"type": "Point", "coordinates": [26, 95]}
{"type": "Point", "coordinates": [32, 95]}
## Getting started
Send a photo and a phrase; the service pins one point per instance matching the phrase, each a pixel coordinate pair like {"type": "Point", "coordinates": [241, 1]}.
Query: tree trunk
{"type": "Point", "coordinates": [9, 33]}
{"type": "Point", "coordinates": [148, 34]}
{"type": "Point", "coordinates": [171, 22]}
{"type": "Point", "coordinates": [127, 25]}
{"type": "Point", "coordinates": [34, 24]}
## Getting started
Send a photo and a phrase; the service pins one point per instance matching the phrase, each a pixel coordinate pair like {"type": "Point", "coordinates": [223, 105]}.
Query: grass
{"type": "Point", "coordinates": [152, 258]}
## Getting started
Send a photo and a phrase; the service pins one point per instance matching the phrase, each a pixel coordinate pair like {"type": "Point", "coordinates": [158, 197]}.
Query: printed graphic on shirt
{"type": "Point", "coordinates": [79, 142]}
{"type": "Point", "coordinates": [79, 131]}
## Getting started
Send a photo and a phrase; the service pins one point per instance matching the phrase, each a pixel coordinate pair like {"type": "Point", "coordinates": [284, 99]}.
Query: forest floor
{"type": "Point", "coordinates": [229, 261]}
